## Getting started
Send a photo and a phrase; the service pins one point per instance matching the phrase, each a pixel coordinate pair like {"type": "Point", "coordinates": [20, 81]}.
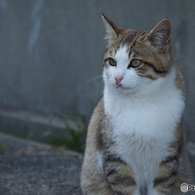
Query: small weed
{"type": "Point", "coordinates": [17, 134]}
{"type": "Point", "coordinates": [77, 131]}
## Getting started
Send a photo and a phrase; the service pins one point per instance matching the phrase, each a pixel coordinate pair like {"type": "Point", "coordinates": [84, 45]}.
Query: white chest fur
{"type": "Point", "coordinates": [143, 128]}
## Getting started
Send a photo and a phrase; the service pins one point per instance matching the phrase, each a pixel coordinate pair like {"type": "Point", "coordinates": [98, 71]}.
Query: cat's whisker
{"type": "Point", "coordinates": [99, 83]}
{"type": "Point", "coordinates": [100, 86]}
{"type": "Point", "coordinates": [95, 78]}
{"type": "Point", "coordinates": [100, 94]}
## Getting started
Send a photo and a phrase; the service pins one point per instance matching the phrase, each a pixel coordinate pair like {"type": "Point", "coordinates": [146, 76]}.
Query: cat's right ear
{"type": "Point", "coordinates": [112, 30]}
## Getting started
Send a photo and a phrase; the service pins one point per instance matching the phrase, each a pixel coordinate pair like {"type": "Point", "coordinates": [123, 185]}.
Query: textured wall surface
{"type": "Point", "coordinates": [51, 51]}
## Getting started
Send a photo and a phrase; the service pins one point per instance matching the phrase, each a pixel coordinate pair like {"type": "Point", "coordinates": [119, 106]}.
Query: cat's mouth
{"type": "Point", "coordinates": [122, 87]}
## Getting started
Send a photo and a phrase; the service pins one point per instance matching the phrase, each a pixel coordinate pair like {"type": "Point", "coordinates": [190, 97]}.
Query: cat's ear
{"type": "Point", "coordinates": [160, 35]}
{"type": "Point", "coordinates": [112, 30]}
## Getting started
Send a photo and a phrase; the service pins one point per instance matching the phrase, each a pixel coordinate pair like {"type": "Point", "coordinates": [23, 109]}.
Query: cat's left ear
{"type": "Point", "coordinates": [112, 30]}
{"type": "Point", "coordinates": [160, 35]}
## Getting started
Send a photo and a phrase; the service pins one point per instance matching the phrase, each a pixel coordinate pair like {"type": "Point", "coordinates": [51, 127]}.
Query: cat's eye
{"type": "Point", "coordinates": [112, 62]}
{"type": "Point", "coordinates": [135, 63]}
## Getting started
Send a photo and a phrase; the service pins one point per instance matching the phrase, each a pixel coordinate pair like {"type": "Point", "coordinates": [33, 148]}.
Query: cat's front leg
{"type": "Point", "coordinates": [165, 179]}
{"type": "Point", "coordinates": [120, 176]}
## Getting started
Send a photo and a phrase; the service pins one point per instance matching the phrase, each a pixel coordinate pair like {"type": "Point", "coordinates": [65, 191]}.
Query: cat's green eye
{"type": "Point", "coordinates": [112, 62]}
{"type": "Point", "coordinates": [135, 63]}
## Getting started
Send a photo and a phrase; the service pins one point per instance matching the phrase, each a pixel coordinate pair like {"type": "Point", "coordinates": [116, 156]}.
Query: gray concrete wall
{"type": "Point", "coordinates": [50, 50]}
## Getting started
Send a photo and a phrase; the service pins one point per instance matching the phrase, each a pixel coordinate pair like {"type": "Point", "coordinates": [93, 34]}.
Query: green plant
{"type": "Point", "coordinates": [77, 131]}
{"type": "Point", "coordinates": [20, 135]}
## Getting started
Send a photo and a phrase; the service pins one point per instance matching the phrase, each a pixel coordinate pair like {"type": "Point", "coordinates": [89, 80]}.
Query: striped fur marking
{"type": "Point", "coordinates": [160, 180]}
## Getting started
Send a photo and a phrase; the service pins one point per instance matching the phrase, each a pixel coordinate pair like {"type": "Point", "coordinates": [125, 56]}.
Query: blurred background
{"type": "Point", "coordinates": [51, 56]}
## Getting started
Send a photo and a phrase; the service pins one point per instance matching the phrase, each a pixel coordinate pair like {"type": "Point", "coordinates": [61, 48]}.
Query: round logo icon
{"type": "Point", "coordinates": [184, 187]}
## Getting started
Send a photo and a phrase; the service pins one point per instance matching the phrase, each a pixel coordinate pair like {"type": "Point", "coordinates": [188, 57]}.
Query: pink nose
{"type": "Point", "coordinates": [118, 80]}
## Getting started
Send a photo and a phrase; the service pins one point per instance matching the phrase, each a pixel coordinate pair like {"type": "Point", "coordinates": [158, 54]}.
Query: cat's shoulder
{"type": "Point", "coordinates": [99, 109]}
{"type": "Point", "coordinates": [98, 115]}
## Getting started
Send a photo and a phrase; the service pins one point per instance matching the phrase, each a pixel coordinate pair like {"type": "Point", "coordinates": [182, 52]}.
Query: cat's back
{"type": "Point", "coordinates": [95, 125]}
{"type": "Point", "coordinates": [92, 168]}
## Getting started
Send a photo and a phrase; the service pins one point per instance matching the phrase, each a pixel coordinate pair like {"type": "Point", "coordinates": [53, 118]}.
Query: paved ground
{"type": "Point", "coordinates": [31, 168]}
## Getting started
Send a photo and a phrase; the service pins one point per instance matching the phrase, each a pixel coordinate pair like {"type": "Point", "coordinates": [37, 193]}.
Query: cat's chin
{"type": "Point", "coordinates": [124, 89]}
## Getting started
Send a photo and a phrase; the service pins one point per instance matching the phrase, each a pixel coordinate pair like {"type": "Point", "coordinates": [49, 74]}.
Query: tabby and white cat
{"type": "Point", "coordinates": [136, 141]}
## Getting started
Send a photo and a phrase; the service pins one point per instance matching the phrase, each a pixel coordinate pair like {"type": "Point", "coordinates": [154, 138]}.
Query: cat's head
{"type": "Point", "coordinates": [137, 59]}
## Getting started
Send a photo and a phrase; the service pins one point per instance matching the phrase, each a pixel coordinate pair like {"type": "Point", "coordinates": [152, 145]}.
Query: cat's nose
{"type": "Point", "coordinates": [118, 80]}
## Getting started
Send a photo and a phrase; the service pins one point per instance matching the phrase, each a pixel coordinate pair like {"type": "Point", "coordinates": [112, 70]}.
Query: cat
{"type": "Point", "coordinates": [136, 141]}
